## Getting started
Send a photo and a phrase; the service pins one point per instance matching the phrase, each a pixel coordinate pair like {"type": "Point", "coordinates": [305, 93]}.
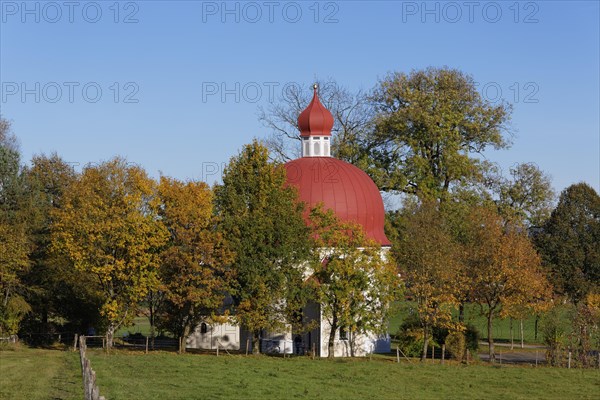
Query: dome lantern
{"type": "Point", "coordinates": [315, 124]}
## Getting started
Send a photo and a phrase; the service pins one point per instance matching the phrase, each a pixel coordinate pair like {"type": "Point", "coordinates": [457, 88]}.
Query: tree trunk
{"type": "Point", "coordinates": [492, 355]}
{"type": "Point", "coordinates": [537, 318]}
{"type": "Point", "coordinates": [522, 344]}
{"type": "Point", "coordinates": [461, 312]}
{"type": "Point", "coordinates": [331, 341]}
{"type": "Point", "coordinates": [256, 342]}
{"type": "Point", "coordinates": [512, 339]}
{"type": "Point", "coordinates": [152, 324]}
{"type": "Point", "coordinates": [110, 333]}
{"type": "Point", "coordinates": [425, 343]}
{"type": "Point", "coordinates": [182, 339]}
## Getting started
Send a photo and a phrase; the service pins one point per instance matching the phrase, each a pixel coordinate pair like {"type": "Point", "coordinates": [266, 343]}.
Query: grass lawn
{"type": "Point", "coordinates": [31, 374]}
{"type": "Point", "coordinates": [162, 375]}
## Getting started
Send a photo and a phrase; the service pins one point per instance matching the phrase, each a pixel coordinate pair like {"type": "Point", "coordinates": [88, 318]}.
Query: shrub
{"type": "Point", "coordinates": [472, 338]}
{"type": "Point", "coordinates": [455, 344]}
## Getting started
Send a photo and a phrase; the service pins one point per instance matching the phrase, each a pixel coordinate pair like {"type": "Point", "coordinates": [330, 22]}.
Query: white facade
{"type": "Point", "coordinates": [208, 336]}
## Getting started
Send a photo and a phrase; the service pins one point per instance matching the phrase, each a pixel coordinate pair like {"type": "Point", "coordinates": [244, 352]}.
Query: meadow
{"type": "Point", "coordinates": [54, 374]}
{"type": "Point", "coordinates": [32, 374]}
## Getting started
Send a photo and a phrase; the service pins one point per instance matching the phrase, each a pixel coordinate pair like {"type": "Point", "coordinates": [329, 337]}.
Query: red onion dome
{"type": "Point", "coordinates": [315, 120]}
{"type": "Point", "coordinates": [341, 187]}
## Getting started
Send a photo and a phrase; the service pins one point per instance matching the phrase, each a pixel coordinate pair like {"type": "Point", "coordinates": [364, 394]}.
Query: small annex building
{"type": "Point", "coordinates": [353, 196]}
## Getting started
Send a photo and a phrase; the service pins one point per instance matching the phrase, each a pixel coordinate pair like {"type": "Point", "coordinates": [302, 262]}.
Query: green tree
{"type": "Point", "coordinates": [353, 280]}
{"type": "Point", "coordinates": [108, 228]}
{"type": "Point", "coordinates": [430, 125]}
{"type": "Point", "coordinates": [570, 242]}
{"type": "Point", "coordinates": [262, 220]}
{"type": "Point", "coordinates": [193, 276]}
{"type": "Point", "coordinates": [14, 243]}
{"type": "Point", "coordinates": [527, 196]}
{"type": "Point", "coordinates": [430, 263]}
{"type": "Point", "coordinates": [54, 289]}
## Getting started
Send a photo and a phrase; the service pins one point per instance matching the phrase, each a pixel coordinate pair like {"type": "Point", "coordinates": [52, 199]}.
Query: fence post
{"type": "Point", "coordinates": [536, 358]}
{"type": "Point", "coordinates": [467, 356]}
{"type": "Point", "coordinates": [569, 360]}
{"type": "Point", "coordinates": [433, 353]}
{"type": "Point", "coordinates": [398, 354]}
{"type": "Point", "coordinates": [217, 348]}
{"type": "Point", "coordinates": [75, 342]}
{"type": "Point", "coordinates": [443, 353]}
{"type": "Point", "coordinates": [313, 351]}
{"type": "Point", "coordinates": [247, 345]}
{"type": "Point", "coordinates": [146, 344]}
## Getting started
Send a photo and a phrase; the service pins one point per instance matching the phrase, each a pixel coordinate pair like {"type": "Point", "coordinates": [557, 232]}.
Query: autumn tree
{"type": "Point", "coordinates": [430, 263]}
{"type": "Point", "coordinates": [55, 290]}
{"type": "Point", "coordinates": [261, 219]}
{"type": "Point", "coordinates": [501, 266]}
{"type": "Point", "coordinates": [14, 243]}
{"type": "Point", "coordinates": [108, 229]}
{"type": "Point", "coordinates": [430, 125]}
{"type": "Point", "coordinates": [353, 280]}
{"type": "Point", "coordinates": [570, 242]}
{"type": "Point", "coordinates": [193, 274]}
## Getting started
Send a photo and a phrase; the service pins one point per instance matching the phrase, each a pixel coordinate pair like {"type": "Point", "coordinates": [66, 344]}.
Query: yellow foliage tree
{"type": "Point", "coordinates": [354, 282]}
{"type": "Point", "coordinates": [193, 273]}
{"type": "Point", "coordinates": [108, 228]}
{"type": "Point", "coordinates": [502, 268]}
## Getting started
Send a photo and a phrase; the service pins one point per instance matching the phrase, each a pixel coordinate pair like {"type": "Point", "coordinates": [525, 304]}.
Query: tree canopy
{"type": "Point", "coordinates": [261, 218]}
{"type": "Point", "coordinates": [108, 228]}
{"type": "Point", "coordinates": [353, 280]}
{"type": "Point", "coordinates": [193, 274]}
{"type": "Point", "coordinates": [429, 259]}
{"type": "Point", "coordinates": [569, 242]}
{"type": "Point", "coordinates": [502, 267]}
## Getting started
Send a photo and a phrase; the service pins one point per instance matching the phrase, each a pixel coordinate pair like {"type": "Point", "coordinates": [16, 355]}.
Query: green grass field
{"type": "Point", "coordinates": [172, 376]}
{"type": "Point", "coordinates": [53, 374]}
{"type": "Point", "coordinates": [32, 374]}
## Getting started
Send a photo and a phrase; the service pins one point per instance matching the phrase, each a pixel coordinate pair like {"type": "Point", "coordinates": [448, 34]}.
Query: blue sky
{"type": "Point", "coordinates": [156, 62]}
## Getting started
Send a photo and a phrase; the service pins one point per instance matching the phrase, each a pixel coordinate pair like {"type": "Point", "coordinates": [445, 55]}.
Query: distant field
{"type": "Point", "coordinates": [32, 374]}
{"type": "Point", "coordinates": [473, 317]}
{"type": "Point", "coordinates": [170, 376]}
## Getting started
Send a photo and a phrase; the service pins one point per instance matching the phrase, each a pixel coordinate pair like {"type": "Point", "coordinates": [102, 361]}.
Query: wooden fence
{"type": "Point", "coordinates": [90, 388]}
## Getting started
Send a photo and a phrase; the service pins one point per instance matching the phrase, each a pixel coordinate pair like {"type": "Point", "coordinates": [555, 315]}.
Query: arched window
{"type": "Point", "coordinates": [203, 328]}
{"type": "Point", "coordinates": [317, 149]}
{"type": "Point", "coordinates": [343, 334]}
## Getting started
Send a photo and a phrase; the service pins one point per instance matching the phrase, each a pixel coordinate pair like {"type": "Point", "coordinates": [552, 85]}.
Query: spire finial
{"type": "Point", "coordinates": [315, 87]}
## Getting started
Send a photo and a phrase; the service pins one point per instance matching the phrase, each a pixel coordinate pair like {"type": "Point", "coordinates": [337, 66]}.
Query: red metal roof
{"type": "Point", "coordinates": [343, 188]}
{"type": "Point", "coordinates": [315, 120]}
